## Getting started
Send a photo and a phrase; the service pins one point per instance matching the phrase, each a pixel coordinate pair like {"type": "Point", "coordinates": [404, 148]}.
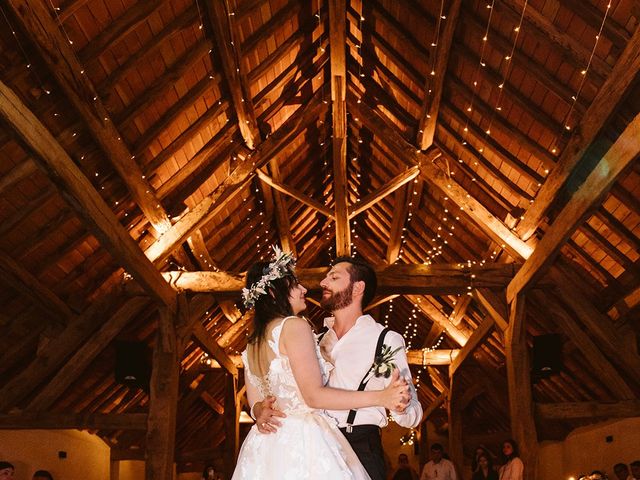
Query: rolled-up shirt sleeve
{"type": "Point", "coordinates": [413, 413]}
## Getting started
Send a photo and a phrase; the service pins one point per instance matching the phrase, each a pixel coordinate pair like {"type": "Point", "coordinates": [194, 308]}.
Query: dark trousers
{"type": "Point", "coordinates": [367, 443]}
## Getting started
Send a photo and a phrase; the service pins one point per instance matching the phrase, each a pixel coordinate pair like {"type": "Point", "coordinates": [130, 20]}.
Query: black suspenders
{"type": "Point", "coordinates": [365, 380]}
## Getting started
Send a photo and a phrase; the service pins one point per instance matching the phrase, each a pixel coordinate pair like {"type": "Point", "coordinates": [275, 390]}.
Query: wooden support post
{"type": "Point", "coordinates": [523, 427]}
{"type": "Point", "coordinates": [231, 424]}
{"type": "Point", "coordinates": [424, 444]}
{"type": "Point", "coordinates": [161, 427]}
{"type": "Point", "coordinates": [455, 425]}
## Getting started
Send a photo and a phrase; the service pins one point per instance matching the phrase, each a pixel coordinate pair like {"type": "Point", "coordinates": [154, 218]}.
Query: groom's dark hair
{"type": "Point", "coordinates": [361, 271]}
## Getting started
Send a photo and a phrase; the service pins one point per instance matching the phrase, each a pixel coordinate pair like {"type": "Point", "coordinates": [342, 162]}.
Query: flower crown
{"type": "Point", "coordinates": [278, 268]}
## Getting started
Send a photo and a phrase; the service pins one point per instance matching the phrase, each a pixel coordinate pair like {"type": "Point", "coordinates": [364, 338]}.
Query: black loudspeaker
{"type": "Point", "coordinates": [133, 364]}
{"type": "Point", "coordinates": [546, 358]}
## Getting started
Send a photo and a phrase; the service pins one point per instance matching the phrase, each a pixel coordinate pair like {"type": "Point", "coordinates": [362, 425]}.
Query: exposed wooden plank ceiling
{"type": "Point", "coordinates": [143, 140]}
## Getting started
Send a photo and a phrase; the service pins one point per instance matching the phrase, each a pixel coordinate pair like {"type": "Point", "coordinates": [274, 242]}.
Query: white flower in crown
{"type": "Point", "coordinates": [278, 268]}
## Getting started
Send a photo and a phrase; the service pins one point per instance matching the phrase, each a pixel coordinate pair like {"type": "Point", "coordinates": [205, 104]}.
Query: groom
{"type": "Point", "coordinates": [350, 343]}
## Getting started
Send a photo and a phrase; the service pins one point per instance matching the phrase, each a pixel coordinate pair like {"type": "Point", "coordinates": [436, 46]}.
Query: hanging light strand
{"type": "Point", "coordinates": [584, 72]}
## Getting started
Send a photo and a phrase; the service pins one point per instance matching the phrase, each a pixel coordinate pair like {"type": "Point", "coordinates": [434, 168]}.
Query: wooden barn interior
{"type": "Point", "coordinates": [483, 155]}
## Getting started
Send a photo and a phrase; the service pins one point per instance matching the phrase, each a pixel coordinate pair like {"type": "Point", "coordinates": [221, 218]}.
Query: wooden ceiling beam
{"type": "Point", "coordinates": [621, 154]}
{"type": "Point", "coordinates": [626, 304]}
{"type": "Point", "coordinates": [435, 279]}
{"type": "Point", "coordinates": [464, 163]}
{"type": "Point", "coordinates": [441, 356]}
{"type": "Point", "coordinates": [28, 285]}
{"type": "Point", "coordinates": [74, 421]}
{"type": "Point", "coordinates": [398, 220]}
{"type": "Point", "coordinates": [457, 334]}
{"type": "Point", "coordinates": [53, 355]}
{"type": "Point", "coordinates": [296, 194]}
{"type": "Point", "coordinates": [524, 62]}
{"type": "Point", "coordinates": [83, 356]}
{"type": "Point", "coordinates": [226, 40]}
{"type": "Point", "coordinates": [585, 133]}
{"type": "Point", "coordinates": [69, 8]}
{"type": "Point", "coordinates": [337, 46]}
{"type": "Point", "coordinates": [203, 258]}
{"type": "Point", "coordinates": [599, 325]}
{"type": "Point", "coordinates": [283, 222]}
{"type": "Point", "coordinates": [502, 207]}
{"type": "Point", "coordinates": [433, 175]}
{"type": "Point", "coordinates": [600, 365]}
{"type": "Point", "coordinates": [301, 69]}
{"type": "Point", "coordinates": [293, 43]}
{"type": "Point", "coordinates": [209, 345]}
{"type": "Point", "coordinates": [215, 153]}
{"type": "Point", "coordinates": [588, 410]}
{"type": "Point", "coordinates": [265, 31]}
{"type": "Point", "coordinates": [16, 174]}
{"type": "Point", "coordinates": [118, 29]}
{"type": "Point", "coordinates": [435, 405]}
{"type": "Point", "coordinates": [489, 78]}
{"type": "Point", "coordinates": [81, 194]}
{"type": "Point", "coordinates": [388, 188]}
{"type": "Point", "coordinates": [461, 91]}
{"type": "Point", "coordinates": [434, 85]}
{"type": "Point", "coordinates": [476, 135]}
{"type": "Point", "coordinates": [545, 30]}
{"type": "Point", "coordinates": [184, 105]}
{"type": "Point", "coordinates": [240, 176]}
{"type": "Point", "coordinates": [185, 20]}
{"type": "Point", "coordinates": [34, 17]}
{"type": "Point", "coordinates": [165, 83]}
{"type": "Point", "coordinates": [478, 336]}
{"type": "Point", "coordinates": [494, 306]}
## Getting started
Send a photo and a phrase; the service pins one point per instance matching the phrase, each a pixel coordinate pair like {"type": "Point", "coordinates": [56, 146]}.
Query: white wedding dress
{"type": "Point", "coordinates": [308, 445]}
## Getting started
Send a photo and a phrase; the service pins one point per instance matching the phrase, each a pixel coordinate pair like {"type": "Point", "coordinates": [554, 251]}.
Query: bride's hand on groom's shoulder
{"type": "Point", "coordinates": [267, 416]}
{"type": "Point", "coordinates": [397, 395]}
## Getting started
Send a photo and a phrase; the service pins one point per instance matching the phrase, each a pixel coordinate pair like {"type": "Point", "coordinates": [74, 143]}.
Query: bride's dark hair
{"type": "Point", "coordinates": [275, 303]}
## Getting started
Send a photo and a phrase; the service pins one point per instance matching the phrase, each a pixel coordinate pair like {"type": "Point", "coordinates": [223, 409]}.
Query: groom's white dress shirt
{"type": "Point", "coordinates": [352, 355]}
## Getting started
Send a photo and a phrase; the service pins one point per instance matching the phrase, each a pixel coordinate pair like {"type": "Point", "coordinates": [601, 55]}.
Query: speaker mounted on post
{"type": "Point", "coordinates": [546, 357]}
{"type": "Point", "coordinates": [133, 364]}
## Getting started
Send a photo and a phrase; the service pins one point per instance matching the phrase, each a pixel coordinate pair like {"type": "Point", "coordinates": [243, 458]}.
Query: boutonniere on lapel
{"type": "Point", "coordinates": [383, 364]}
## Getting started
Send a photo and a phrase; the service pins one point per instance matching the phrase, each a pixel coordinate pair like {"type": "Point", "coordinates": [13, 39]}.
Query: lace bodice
{"type": "Point", "coordinates": [279, 380]}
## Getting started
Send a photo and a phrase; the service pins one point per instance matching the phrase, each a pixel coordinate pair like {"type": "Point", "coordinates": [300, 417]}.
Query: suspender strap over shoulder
{"type": "Point", "coordinates": [363, 383]}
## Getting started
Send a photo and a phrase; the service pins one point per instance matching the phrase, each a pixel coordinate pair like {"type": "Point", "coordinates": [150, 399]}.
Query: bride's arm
{"type": "Point", "coordinates": [298, 343]}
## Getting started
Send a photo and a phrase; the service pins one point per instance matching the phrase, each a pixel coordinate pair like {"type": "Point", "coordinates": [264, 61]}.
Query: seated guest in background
{"type": "Point", "coordinates": [513, 468]}
{"type": "Point", "coordinates": [438, 468]}
{"type": "Point", "coordinates": [622, 471]}
{"type": "Point", "coordinates": [404, 471]}
{"type": "Point", "coordinates": [6, 470]}
{"type": "Point", "coordinates": [635, 469]}
{"type": "Point", "coordinates": [42, 475]}
{"type": "Point", "coordinates": [485, 470]}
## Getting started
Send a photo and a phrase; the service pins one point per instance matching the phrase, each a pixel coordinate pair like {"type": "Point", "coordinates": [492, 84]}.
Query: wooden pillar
{"type": "Point", "coordinates": [454, 411]}
{"type": "Point", "coordinates": [161, 426]}
{"type": "Point", "coordinates": [424, 444]}
{"type": "Point", "coordinates": [231, 424]}
{"type": "Point", "coordinates": [523, 427]}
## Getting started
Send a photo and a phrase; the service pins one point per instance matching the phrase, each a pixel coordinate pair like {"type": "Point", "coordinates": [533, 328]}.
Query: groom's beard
{"type": "Point", "coordinates": [338, 300]}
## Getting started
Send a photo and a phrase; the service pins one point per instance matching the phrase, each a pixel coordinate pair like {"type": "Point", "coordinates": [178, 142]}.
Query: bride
{"type": "Point", "coordinates": [283, 360]}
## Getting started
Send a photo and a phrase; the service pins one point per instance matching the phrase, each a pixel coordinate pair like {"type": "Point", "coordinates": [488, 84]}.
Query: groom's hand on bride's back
{"type": "Point", "coordinates": [267, 416]}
